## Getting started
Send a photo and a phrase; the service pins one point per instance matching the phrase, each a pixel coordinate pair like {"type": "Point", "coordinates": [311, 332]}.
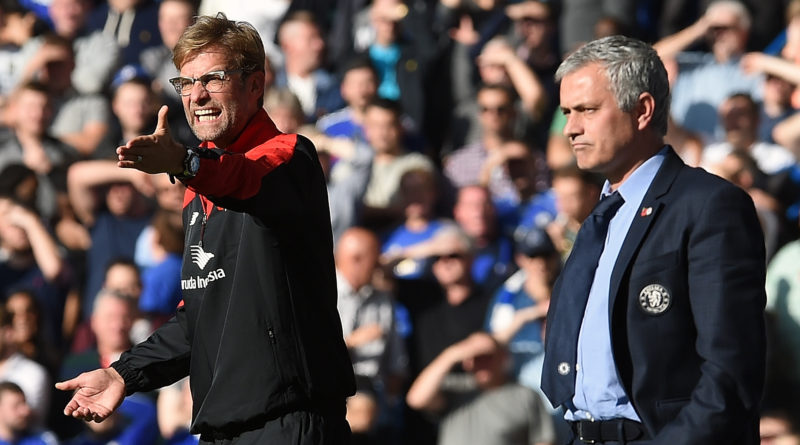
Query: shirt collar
{"type": "Point", "coordinates": [635, 187]}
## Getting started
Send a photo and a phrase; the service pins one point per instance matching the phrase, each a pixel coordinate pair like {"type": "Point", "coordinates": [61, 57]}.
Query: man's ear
{"type": "Point", "coordinates": [255, 83]}
{"type": "Point", "coordinates": [645, 108]}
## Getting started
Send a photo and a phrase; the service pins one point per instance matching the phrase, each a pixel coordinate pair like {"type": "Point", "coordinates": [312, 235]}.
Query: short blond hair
{"type": "Point", "coordinates": [239, 39]}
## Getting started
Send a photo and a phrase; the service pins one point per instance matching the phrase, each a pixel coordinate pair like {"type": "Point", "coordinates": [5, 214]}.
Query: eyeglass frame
{"type": "Point", "coordinates": [225, 75]}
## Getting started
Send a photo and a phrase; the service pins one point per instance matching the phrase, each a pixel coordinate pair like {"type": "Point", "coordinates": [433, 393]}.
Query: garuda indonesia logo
{"type": "Point", "coordinates": [200, 256]}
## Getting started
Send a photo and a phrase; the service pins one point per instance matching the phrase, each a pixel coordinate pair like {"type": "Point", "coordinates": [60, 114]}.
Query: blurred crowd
{"type": "Point", "coordinates": [453, 193]}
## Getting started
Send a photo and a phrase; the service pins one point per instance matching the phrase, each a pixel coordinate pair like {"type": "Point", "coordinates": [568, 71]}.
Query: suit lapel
{"type": "Point", "coordinates": [651, 207]}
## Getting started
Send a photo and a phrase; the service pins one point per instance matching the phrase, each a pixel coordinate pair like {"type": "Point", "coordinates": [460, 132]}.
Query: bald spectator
{"type": "Point", "coordinates": [135, 421]}
{"type": "Point", "coordinates": [368, 316]}
{"type": "Point", "coordinates": [303, 48]}
{"type": "Point", "coordinates": [111, 322]}
{"type": "Point", "coordinates": [367, 312]}
{"type": "Point", "coordinates": [702, 81]}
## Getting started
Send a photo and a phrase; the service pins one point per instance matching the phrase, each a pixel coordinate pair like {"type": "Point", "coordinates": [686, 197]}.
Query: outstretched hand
{"type": "Point", "coordinates": [153, 153]}
{"type": "Point", "coordinates": [97, 394]}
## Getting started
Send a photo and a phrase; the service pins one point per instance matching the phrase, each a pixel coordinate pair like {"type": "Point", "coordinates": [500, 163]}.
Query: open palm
{"type": "Point", "coordinates": [97, 394]}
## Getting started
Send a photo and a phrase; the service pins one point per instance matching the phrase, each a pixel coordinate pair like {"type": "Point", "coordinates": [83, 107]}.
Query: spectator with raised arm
{"type": "Point", "coordinates": [704, 80]}
{"type": "Point", "coordinates": [497, 410]}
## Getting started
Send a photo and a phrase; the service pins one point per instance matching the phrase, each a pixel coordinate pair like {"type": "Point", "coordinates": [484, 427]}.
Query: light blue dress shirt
{"type": "Point", "coordinates": [598, 392]}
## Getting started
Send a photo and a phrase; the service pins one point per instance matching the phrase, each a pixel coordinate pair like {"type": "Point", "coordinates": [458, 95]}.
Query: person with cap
{"type": "Point", "coordinates": [516, 314]}
{"type": "Point", "coordinates": [655, 331]}
{"type": "Point", "coordinates": [257, 330]}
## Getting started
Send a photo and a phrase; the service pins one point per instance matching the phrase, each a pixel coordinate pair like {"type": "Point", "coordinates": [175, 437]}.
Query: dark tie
{"type": "Point", "coordinates": [569, 302]}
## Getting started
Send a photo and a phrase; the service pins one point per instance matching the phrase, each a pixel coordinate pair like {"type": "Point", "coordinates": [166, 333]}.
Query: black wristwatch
{"type": "Point", "coordinates": [191, 164]}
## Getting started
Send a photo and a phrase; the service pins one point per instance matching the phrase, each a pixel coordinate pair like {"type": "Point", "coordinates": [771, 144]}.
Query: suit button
{"type": "Point", "coordinates": [563, 368]}
{"type": "Point", "coordinates": [577, 367]}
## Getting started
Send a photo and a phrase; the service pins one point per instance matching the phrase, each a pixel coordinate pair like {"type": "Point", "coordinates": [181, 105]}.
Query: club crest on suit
{"type": "Point", "coordinates": [655, 299]}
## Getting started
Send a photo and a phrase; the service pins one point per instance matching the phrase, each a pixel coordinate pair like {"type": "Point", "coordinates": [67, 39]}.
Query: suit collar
{"type": "Point", "coordinates": [652, 204]}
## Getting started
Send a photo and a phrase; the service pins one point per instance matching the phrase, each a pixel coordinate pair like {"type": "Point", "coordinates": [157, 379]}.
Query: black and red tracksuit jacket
{"type": "Point", "coordinates": [258, 331]}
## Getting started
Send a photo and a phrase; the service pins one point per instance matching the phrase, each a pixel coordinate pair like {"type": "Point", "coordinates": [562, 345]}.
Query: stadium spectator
{"type": "Point", "coordinates": [115, 216]}
{"type": "Point", "coordinates": [29, 143]}
{"type": "Point", "coordinates": [133, 24]}
{"type": "Point", "coordinates": [80, 120]}
{"type": "Point", "coordinates": [29, 375]}
{"type": "Point", "coordinates": [383, 132]}
{"type": "Point", "coordinates": [16, 420]}
{"type": "Point", "coordinates": [303, 72]}
{"type": "Point", "coordinates": [92, 74]}
{"type": "Point", "coordinates": [697, 85]}
{"type": "Point", "coordinates": [497, 410]}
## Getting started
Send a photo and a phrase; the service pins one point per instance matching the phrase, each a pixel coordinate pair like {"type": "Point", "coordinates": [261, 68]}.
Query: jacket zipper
{"type": "Point", "coordinates": [203, 228]}
{"type": "Point", "coordinates": [273, 340]}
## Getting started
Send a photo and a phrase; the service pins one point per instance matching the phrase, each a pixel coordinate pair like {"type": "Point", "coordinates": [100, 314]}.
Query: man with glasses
{"type": "Point", "coordinates": [257, 330]}
{"type": "Point", "coordinates": [469, 164]}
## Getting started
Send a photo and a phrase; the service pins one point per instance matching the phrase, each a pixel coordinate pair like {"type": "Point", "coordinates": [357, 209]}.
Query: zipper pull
{"type": "Point", "coordinates": [203, 228]}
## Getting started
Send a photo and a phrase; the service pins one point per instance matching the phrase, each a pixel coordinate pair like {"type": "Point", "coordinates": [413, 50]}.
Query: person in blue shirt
{"type": "Point", "coordinates": [133, 423]}
{"type": "Point", "coordinates": [516, 313]}
{"type": "Point", "coordinates": [16, 418]}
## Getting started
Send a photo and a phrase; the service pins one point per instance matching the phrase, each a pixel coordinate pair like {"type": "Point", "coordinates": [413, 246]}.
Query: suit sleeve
{"type": "Point", "coordinates": [726, 272]}
{"type": "Point", "coordinates": [160, 360]}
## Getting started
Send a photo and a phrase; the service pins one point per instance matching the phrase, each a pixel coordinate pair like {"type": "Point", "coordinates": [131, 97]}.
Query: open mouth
{"type": "Point", "coordinates": [206, 115]}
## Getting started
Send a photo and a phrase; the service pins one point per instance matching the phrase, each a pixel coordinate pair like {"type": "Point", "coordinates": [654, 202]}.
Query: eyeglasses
{"type": "Point", "coordinates": [212, 81]}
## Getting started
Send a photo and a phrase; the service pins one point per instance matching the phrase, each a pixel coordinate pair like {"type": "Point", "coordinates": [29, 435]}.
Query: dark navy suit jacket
{"type": "Point", "coordinates": [691, 357]}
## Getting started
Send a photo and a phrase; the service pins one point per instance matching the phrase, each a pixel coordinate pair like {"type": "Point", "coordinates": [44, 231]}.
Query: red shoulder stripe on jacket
{"type": "Point", "coordinates": [238, 175]}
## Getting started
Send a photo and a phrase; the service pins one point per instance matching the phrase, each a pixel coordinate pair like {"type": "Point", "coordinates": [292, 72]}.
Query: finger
{"type": "Point", "coordinates": [162, 126]}
{"type": "Point", "coordinates": [141, 141]}
{"type": "Point", "coordinates": [68, 385]}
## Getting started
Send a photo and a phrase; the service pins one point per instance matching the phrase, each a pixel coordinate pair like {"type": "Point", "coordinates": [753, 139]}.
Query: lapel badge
{"type": "Point", "coordinates": [646, 211]}
{"type": "Point", "coordinates": [654, 299]}
{"type": "Point", "coordinates": [563, 368]}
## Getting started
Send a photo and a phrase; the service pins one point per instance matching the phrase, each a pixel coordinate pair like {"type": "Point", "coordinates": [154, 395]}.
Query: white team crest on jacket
{"type": "Point", "coordinates": [654, 299]}
{"type": "Point", "coordinates": [200, 256]}
{"type": "Point", "coordinates": [194, 218]}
